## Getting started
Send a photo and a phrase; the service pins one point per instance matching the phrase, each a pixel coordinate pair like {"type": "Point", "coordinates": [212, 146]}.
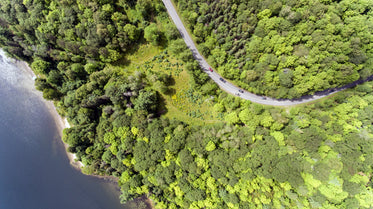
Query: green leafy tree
{"type": "Point", "coordinates": [146, 100]}
{"type": "Point", "coordinates": [152, 34]}
{"type": "Point", "coordinates": [40, 66]}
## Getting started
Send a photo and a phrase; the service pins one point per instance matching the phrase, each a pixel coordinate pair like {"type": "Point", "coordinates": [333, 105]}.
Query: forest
{"type": "Point", "coordinates": [142, 110]}
{"type": "Point", "coordinates": [284, 49]}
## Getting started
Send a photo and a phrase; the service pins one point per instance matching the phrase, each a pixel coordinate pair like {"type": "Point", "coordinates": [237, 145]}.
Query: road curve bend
{"type": "Point", "coordinates": [232, 89]}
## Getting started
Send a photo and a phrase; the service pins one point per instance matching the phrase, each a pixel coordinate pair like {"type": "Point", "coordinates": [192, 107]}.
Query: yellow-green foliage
{"type": "Point", "coordinates": [310, 181]}
{"type": "Point", "coordinates": [365, 198]}
{"type": "Point", "coordinates": [359, 178]}
{"type": "Point", "coordinates": [109, 138]}
{"type": "Point", "coordinates": [279, 137]}
{"type": "Point", "coordinates": [124, 177]}
{"type": "Point", "coordinates": [333, 190]}
{"type": "Point", "coordinates": [210, 146]}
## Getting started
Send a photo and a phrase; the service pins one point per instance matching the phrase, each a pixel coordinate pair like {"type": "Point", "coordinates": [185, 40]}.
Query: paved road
{"type": "Point", "coordinates": [229, 87]}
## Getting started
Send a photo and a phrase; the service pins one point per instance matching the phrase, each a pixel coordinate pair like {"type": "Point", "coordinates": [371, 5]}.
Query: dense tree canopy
{"type": "Point", "coordinates": [284, 48]}
{"type": "Point", "coordinates": [250, 156]}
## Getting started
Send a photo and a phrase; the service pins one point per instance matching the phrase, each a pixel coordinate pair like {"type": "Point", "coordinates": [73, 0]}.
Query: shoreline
{"type": "Point", "coordinates": [61, 123]}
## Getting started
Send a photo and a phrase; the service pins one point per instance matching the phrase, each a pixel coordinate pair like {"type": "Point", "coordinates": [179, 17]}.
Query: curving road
{"type": "Point", "coordinates": [229, 87]}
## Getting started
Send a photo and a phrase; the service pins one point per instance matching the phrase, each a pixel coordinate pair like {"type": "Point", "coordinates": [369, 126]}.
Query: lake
{"type": "Point", "coordinates": [35, 172]}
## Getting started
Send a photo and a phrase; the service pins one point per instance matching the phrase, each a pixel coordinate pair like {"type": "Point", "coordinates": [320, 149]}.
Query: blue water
{"type": "Point", "coordinates": [35, 172]}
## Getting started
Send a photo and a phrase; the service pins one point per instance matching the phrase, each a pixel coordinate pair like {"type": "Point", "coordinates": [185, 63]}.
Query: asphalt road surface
{"type": "Point", "coordinates": [232, 89]}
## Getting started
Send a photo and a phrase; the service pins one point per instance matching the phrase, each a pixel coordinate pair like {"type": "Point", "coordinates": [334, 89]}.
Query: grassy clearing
{"type": "Point", "coordinates": [187, 105]}
{"type": "Point", "coordinates": [134, 61]}
{"type": "Point", "coordinates": [183, 103]}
